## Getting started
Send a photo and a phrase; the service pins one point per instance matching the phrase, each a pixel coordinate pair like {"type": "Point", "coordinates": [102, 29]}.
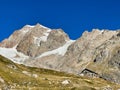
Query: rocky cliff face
{"type": "Point", "coordinates": [95, 54]}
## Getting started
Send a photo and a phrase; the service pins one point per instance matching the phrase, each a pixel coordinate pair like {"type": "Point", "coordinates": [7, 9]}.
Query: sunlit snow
{"type": "Point", "coordinates": [13, 54]}
{"type": "Point", "coordinates": [30, 26]}
{"type": "Point", "coordinates": [60, 51]}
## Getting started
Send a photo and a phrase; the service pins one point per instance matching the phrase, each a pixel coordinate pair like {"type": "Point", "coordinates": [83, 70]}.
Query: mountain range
{"type": "Point", "coordinates": [95, 54]}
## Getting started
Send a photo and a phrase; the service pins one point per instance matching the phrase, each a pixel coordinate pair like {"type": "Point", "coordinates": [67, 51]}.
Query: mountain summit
{"type": "Point", "coordinates": [94, 54]}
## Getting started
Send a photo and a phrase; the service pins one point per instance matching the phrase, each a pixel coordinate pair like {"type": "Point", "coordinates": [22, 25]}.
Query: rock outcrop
{"type": "Point", "coordinates": [95, 53]}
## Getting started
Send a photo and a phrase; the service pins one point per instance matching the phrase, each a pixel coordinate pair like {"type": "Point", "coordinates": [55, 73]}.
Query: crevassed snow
{"type": "Point", "coordinates": [13, 54]}
{"type": "Point", "coordinates": [37, 40]}
{"type": "Point", "coordinates": [60, 51]}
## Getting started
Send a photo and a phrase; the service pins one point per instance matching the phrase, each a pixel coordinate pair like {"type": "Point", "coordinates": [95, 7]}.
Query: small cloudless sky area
{"type": "Point", "coordinates": [73, 16]}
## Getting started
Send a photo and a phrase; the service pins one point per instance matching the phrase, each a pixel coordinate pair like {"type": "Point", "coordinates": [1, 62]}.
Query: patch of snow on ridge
{"type": "Point", "coordinates": [13, 54]}
{"type": "Point", "coordinates": [30, 26]}
{"type": "Point", "coordinates": [60, 51]}
{"type": "Point", "coordinates": [44, 26]}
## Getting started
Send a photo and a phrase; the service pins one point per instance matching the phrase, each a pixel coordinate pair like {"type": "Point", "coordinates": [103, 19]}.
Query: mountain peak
{"type": "Point", "coordinates": [37, 25]}
{"type": "Point", "coordinates": [18, 35]}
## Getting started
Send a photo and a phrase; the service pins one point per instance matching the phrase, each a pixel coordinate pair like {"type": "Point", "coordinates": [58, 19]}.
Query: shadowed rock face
{"type": "Point", "coordinates": [97, 51]}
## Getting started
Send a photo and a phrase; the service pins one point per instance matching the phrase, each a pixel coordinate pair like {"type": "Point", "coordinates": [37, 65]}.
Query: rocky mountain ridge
{"type": "Point", "coordinates": [94, 54]}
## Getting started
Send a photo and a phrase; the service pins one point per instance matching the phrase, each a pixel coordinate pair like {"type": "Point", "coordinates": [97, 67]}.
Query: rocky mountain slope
{"type": "Point", "coordinates": [94, 54]}
{"type": "Point", "coordinates": [19, 77]}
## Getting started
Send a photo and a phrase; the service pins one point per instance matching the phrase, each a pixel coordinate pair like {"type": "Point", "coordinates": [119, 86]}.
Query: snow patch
{"type": "Point", "coordinates": [102, 31]}
{"type": "Point", "coordinates": [8, 52]}
{"type": "Point", "coordinates": [44, 27]}
{"type": "Point", "coordinates": [30, 26]}
{"type": "Point", "coordinates": [60, 51]}
{"type": "Point", "coordinates": [13, 54]}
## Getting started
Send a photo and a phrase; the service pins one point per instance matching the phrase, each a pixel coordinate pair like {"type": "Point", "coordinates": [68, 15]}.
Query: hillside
{"type": "Point", "coordinates": [16, 77]}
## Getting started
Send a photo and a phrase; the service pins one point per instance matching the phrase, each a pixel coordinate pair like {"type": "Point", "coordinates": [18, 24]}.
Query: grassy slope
{"type": "Point", "coordinates": [16, 78]}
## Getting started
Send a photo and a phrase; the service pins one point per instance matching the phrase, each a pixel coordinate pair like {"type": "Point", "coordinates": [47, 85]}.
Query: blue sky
{"type": "Point", "coordinates": [73, 16]}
